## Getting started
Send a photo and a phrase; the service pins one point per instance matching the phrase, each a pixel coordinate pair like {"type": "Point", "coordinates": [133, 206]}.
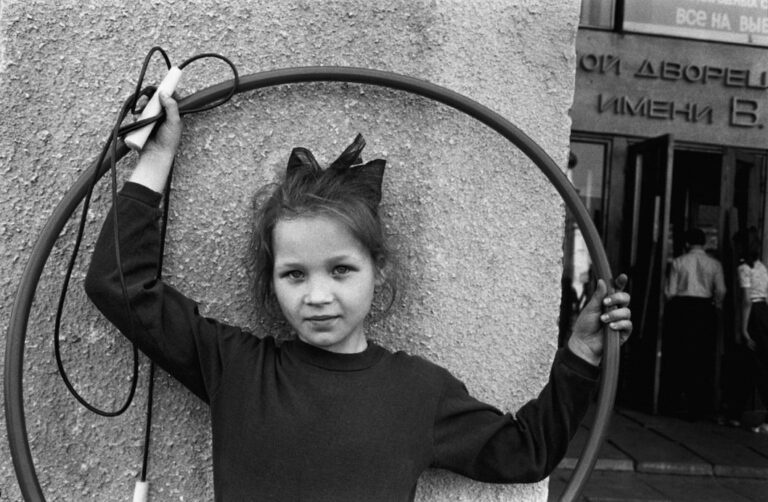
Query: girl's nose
{"type": "Point", "coordinates": [319, 292]}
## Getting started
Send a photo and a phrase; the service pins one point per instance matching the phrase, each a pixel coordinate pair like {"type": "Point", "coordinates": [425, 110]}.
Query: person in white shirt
{"type": "Point", "coordinates": [753, 279]}
{"type": "Point", "coordinates": [695, 288]}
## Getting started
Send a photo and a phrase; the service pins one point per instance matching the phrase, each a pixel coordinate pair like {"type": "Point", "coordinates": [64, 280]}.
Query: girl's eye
{"type": "Point", "coordinates": [294, 274]}
{"type": "Point", "coordinates": [341, 270]}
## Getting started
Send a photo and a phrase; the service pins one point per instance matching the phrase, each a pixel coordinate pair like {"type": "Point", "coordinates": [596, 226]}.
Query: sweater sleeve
{"type": "Point", "coordinates": [478, 441]}
{"type": "Point", "coordinates": [164, 324]}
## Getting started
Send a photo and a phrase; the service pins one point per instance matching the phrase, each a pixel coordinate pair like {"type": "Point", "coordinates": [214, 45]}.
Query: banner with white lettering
{"type": "Point", "coordinates": [736, 21]}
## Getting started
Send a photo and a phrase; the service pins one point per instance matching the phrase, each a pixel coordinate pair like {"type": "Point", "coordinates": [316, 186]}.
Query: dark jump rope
{"type": "Point", "coordinates": [209, 98]}
{"type": "Point", "coordinates": [140, 128]}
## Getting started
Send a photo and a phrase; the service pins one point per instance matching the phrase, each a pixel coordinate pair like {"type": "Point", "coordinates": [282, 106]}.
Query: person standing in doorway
{"type": "Point", "coordinates": [696, 288]}
{"type": "Point", "coordinates": [753, 279]}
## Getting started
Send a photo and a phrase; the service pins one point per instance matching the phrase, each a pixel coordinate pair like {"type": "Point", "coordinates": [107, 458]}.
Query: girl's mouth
{"type": "Point", "coordinates": [321, 318]}
{"type": "Point", "coordinates": [321, 322]}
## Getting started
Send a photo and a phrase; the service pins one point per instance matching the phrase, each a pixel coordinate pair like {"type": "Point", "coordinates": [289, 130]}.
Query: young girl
{"type": "Point", "coordinates": [329, 415]}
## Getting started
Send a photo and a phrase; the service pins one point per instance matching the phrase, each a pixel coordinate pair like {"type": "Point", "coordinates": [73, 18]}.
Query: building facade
{"type": "Point", "coordinates": [668, 134]}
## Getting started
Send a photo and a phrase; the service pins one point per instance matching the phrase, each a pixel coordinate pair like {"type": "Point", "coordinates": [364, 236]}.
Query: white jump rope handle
{"type": "Point", "coordinates": [141, 491]}
{"type": "Point", "coordinates": [136, 139]}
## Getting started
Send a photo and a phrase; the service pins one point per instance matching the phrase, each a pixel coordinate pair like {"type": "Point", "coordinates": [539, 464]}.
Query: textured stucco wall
{"type": "Point", "coordinates": [477, 227]}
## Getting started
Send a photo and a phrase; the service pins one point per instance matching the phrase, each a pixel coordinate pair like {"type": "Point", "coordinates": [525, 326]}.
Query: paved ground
{"type": "Point", "coordinates": [651, 458]}
{"type": "Point", "coordinates": [607, 486]}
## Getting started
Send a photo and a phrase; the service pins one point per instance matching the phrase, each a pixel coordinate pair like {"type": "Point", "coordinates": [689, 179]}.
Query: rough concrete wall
{"type": "Point", "coordinates": [477, 228]}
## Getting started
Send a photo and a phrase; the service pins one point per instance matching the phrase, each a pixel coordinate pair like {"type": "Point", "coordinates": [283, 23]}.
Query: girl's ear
{"type": "Point", "coordinates": [381, 274]}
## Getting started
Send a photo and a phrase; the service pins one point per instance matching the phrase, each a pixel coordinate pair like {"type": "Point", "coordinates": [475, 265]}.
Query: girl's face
{"type": "Point", "coordinates": [323, 279]}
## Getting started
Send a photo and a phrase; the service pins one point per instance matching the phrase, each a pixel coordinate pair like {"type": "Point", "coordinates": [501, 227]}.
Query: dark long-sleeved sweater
{"type": "Point", "coordinates": [294, 422]}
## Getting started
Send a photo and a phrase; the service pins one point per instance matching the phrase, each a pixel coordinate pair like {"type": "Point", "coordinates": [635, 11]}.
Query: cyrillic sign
{"type": "Point", "coordinates": [646, 86]}
{"type": "Point", "coordinates": [737, 21]}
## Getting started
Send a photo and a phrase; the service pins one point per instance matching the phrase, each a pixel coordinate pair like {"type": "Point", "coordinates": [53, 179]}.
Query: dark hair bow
{"type": "Point", "coordinates": [348, 168]}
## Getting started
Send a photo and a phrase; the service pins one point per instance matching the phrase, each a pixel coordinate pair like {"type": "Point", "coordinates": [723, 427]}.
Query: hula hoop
{"type": "Point", "coordinates": [14, 354]}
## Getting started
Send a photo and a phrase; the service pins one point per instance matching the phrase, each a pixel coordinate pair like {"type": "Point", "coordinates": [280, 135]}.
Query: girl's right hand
{"type": "Point", "coordinates": [163, 143]}
{"type": "Point", "coordinates": [156, 158]}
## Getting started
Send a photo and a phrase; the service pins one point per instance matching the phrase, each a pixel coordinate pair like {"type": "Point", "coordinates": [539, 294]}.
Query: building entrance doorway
{"type": "Point", "coordinates": [671, 188]}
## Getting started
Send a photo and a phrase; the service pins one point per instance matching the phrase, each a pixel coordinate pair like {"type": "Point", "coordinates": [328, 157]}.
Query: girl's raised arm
{"type": "Point", "coordinates": [164, 323]}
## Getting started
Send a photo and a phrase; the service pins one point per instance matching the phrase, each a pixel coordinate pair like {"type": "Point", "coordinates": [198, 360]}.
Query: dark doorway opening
{"type": "Point", "coordinates": [695, 203]}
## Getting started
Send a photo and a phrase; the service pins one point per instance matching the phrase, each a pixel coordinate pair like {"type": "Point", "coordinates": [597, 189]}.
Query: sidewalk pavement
{"type": "Point", "coordinates": [653, 458]}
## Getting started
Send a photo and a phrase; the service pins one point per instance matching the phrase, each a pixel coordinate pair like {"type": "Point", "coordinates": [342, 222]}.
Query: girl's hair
{"type": "Point", "coordinates": [347, 191]}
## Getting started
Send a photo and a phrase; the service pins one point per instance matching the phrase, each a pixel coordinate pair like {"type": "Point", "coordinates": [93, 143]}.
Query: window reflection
{"type": "Point", "coordinates": [597, 13]}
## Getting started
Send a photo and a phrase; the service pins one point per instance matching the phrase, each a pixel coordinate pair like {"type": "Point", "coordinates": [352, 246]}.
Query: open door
{"type": "Point", "coordinates": [646, 247]}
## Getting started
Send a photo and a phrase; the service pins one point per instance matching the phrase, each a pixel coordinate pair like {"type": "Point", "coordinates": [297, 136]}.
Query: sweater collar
{"type": "Point", "coordinates": [334, 361]}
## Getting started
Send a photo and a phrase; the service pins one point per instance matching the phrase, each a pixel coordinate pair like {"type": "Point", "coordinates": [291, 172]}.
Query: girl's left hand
{"type": "Point", "coordinates": [586, 341]}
